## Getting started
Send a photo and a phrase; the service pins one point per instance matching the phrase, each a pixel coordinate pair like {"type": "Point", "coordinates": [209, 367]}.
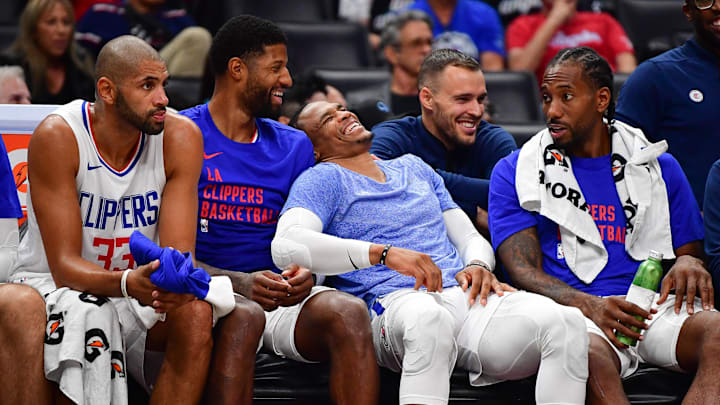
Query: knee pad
{"type": "Point", "coordinates": [564, 333]}
{"type": "Point", "coordinates": [428, 338]}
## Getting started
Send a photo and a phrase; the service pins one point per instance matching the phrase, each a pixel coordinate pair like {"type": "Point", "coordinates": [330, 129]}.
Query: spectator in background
{"type": "Point", "coordinates": [675, 96]}
{"type": "Point", "coordinates": [172, 32]}
{"type": "Point", "coordinates": [511, 9]}
{"type": "Point", "coordinates": [473, 23]}
{"type": "Point", "coordinates": [406, 41]}
{"type": "Point", "coordinates": [13, 89]}
{"type": "Point", "coordinates": [56, 71]}
{"type": "Point", "coordinates": [532, 40]}
{"type": "Point", "coordinates": [450, 135]}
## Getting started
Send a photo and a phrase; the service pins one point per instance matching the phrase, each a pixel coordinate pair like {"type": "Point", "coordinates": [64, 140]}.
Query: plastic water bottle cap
{"type": "Point", "coordinates": [656, 255]}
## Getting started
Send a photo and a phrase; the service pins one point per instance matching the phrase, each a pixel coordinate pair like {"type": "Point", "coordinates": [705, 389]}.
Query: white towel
{"type": "Point", "coordinates": [84, 348]}
{"type": "Point", "coordinates": [545, 183]}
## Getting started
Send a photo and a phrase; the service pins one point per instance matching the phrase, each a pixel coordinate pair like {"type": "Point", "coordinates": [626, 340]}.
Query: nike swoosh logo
{"type": "Point", "coordinates": [212, 155]}
{"type": "Point", "coordinates": [93, 167]}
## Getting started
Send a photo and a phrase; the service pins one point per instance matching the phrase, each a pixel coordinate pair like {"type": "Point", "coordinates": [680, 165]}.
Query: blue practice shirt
{"type": "Point", "coordinates": [474, 18]}
{"type": "Point", "coordinates": [9, 203]}
{"type": "Point", "coordinates": [676, 96]}
{"type": "Point", "coordinates": [466, 170]}
{"type": "Point", "coordinates": [405, 211]}
{"type": "Point", "coordinates": [594, 176]}
{"type": "Point", "coordinates": [242, 189]}
{"type": "Point", "coordinates": [711, 217]}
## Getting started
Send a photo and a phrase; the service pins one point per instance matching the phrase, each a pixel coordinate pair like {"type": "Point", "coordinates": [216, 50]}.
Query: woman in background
{"type": "Point", "coordinates": [57, 71]}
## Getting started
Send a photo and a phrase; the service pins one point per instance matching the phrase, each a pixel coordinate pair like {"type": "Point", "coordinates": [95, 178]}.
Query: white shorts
{"type": "Point", "coordinates": [279, 334]}
{"type": "Point", "coordinates": [468, 328]}
{"type": "Point", "coordinates": [659, 345]}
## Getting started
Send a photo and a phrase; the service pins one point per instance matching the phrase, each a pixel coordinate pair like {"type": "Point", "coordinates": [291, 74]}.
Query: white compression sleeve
{"type": "Point", "coordinates": [8, 246]}
{"type": "Point", "coordinates": [299, 239]}
{"type": "Point", "coordinates": [469, 243]}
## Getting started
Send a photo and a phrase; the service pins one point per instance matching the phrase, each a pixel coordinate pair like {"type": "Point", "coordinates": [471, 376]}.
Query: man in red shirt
{"type": "Point", "coordinates": [532, 40]}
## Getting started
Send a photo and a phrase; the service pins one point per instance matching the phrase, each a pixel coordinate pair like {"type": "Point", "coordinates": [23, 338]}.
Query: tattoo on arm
{"type": "Point", "coordinates": [522, 257]}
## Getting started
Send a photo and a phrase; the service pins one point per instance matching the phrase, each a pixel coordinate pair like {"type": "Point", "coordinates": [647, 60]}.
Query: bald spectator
{"type": "Point", "coordinates": [13, 89]}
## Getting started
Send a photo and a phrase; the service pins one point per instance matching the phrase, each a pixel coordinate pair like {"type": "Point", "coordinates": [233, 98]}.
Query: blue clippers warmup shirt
{"type": "Point", "coordinates": [474, 18]}
{"type": "Point", "coordinates": [9, 203]}
{"type": "Point", "coordinates": [676, 96]}
{"type": "Point", "coordinates": [405, 211]}
{"type": "Point", "coordinates": [242, 189]}
{"type": "Point", "coordinates": [594, 176]}
{"type": "Point", "coordinates": [466, 170]}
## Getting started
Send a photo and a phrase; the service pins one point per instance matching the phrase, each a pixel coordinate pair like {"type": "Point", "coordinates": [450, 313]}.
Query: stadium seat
{"type": "Point", "coordinates": [10, 11]}
{"type": "Point", "coordinates": [522, 132]}
{"type": "Point", "coordinates": [279, 381]}
{"type": "Point", "coordinates": [8, 33]}
{"type": "Point", "coordinates": [353, 79]}
{"type": "Point", "coordinates": [654, 26]}
{"type": "Point", "coordinates": [326, 45]}
{"type": "Point", "coordinates": [618, 81]}
{"type": "Point", "coordinates": [308, 11]}
{"type": "Point", "coordinates": [183, 92]}
{"type": "Point", "coordinates": [515, 97]}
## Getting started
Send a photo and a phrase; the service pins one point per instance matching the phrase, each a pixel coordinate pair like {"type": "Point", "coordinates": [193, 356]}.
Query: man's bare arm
{"type": "Point", "coordinates": [55, 202]}
{"type": "Point", "coordinates": [522, 257]}
{"type": "Point", "coordinates": [182, 153]}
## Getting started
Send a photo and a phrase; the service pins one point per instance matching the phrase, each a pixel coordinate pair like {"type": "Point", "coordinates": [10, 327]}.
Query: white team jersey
{"type": "Point", "coordinates": [112, 202]}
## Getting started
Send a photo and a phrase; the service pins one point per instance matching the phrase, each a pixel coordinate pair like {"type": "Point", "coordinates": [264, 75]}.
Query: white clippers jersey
{"type": "Point", "coordinates": [112, 202]}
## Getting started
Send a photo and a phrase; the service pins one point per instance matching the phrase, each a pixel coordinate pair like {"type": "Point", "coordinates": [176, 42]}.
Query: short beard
{"type": "Point", "coordinates": [145, 125]}
{"type": "Point", "coordinates": [258, 102]}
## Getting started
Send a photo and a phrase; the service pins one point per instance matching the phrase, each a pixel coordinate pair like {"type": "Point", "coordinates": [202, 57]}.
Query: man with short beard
{"type": "Point", "coordinates": [450, 135]}
{"type": "Point", "coordinates": [250, 164]}
{"type": "Point", "coordinates": [98, 172]}
{"type": "Point", "coordinates": [674, 96]}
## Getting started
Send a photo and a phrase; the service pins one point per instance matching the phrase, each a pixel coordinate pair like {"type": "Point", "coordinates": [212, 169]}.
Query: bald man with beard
{"type": "Point", "coordinates": [127, 165]}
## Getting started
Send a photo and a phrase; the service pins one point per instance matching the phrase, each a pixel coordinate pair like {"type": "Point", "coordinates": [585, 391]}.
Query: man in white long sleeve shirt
{"type": "Point", "coordinates": [384, 229]}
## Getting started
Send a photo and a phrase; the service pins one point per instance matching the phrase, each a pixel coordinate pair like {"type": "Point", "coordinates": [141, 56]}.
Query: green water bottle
{"type": "Point", "coordinates": [642, 290]}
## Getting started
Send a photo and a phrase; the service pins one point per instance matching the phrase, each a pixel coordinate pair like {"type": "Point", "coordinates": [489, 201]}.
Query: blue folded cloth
{"type": "Point", "coordinates": [176, 272]}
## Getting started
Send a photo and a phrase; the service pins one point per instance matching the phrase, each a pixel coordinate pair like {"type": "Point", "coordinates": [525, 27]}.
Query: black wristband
{"type": "Point", "coordinates": [384, 253]}
{"type": "Point", "coordinates": [479, 263]}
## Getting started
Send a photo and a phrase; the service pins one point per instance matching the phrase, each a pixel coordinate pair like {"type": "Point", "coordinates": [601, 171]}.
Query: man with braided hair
{"type": "Point", "coordinates": [574, 212]}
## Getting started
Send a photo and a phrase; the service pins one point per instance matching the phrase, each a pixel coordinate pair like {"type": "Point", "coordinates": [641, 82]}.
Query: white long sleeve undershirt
{"type": "Point", "coordinates": [299, 239]}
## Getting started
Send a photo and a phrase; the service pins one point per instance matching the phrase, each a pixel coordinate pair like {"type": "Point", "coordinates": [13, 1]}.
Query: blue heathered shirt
{"type": "Point", "coordinates": [242, 189]}
{"type": "Point", "coordinates": [9, 203]}
{"type": "Point", "coordinates": [711, 218]}
{"type": "Point", "coordinates": [405, 211]}
{"type": "Point", "coordinates": [676, 96]}
{"type": "Point", "coordinates": [466, 170]}
{"type": "Point", "coordinates": [474, 18]}
{"type": "Point", "coordinates": [594, 176]}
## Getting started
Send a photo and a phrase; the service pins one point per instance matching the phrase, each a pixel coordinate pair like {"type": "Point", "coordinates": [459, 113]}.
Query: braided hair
{"type": "Point", "coordinates": [595, 68]}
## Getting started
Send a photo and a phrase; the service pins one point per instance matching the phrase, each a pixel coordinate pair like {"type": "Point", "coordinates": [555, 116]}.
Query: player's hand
{"type": "Point", "coordinates": [301, 282]}
{"type": "Point", "coordinates": [141, 288]}
{"type": "Point", "coordinates": [688, 277]}
{"type": "Point", "coordinates": [415, 264]}
{"type": "Point", "coordinates": [480, 282]}
{"type": "Point", "coordinates": [139, 285]}
{"type": "Point", "coordinates": [562, 11]}
{"type": "Point", "coordinates": [268, 289]}
{"type": "Point", "coordinates": [615, 313]}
